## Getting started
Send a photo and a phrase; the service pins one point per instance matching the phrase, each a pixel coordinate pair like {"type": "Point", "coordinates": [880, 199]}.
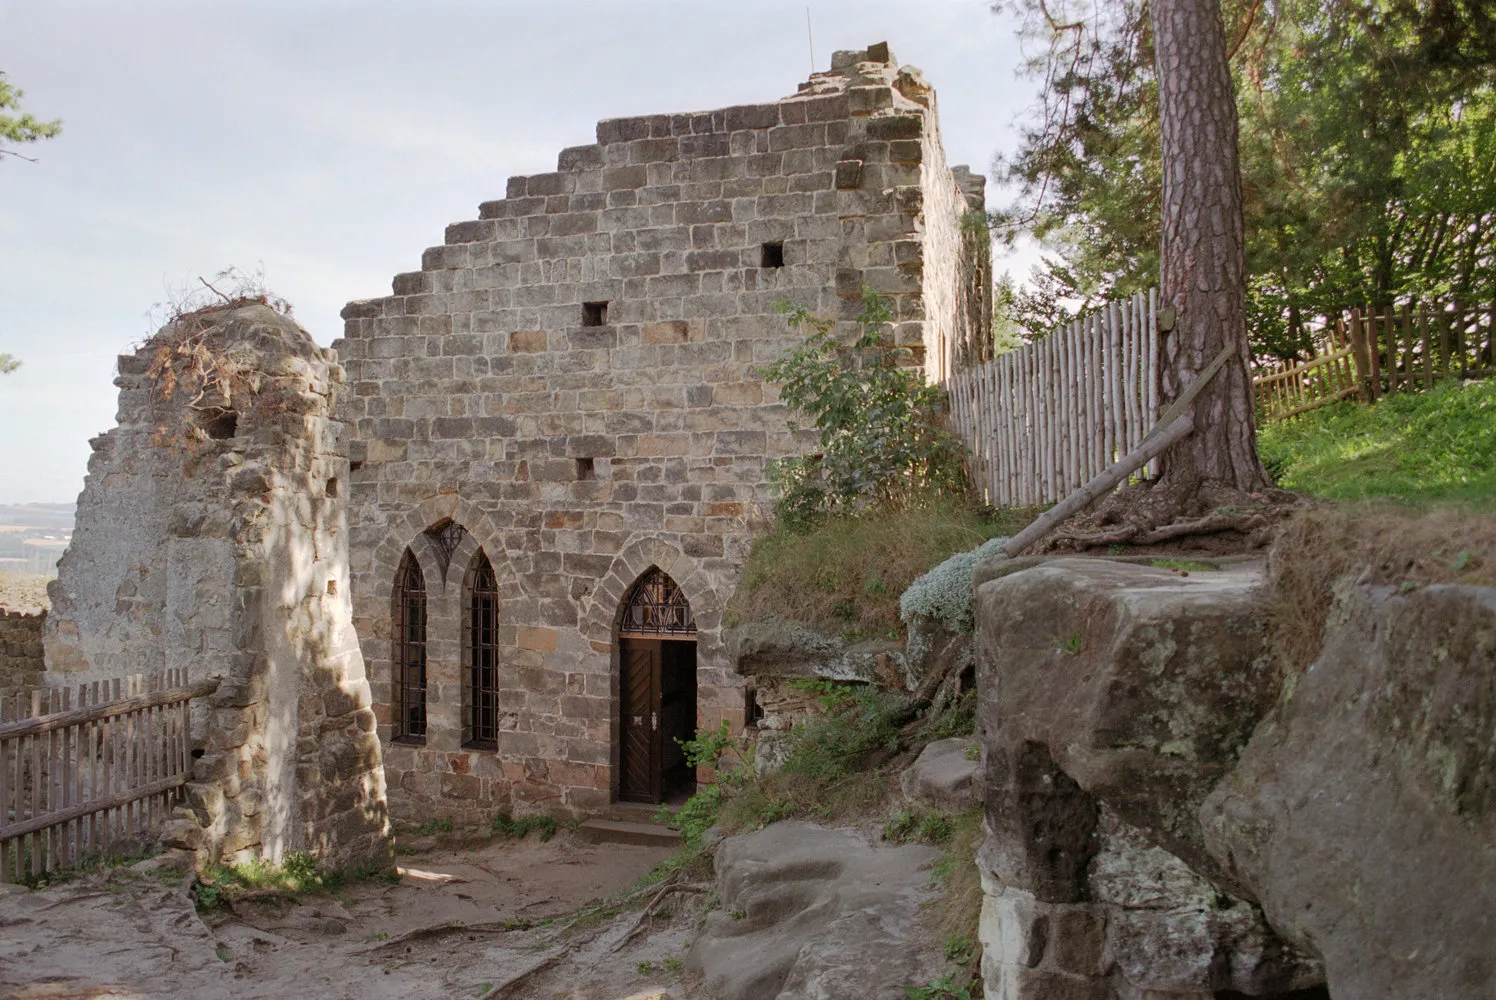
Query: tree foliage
{"type": "Point", "coordinates": [21, 128]}
{"type": "Point", "coordinates": [8, 363]}
{"type": "Point", "coordinates": [1368, 134]}
{"type": "Point", "coordinates": [881, 442]}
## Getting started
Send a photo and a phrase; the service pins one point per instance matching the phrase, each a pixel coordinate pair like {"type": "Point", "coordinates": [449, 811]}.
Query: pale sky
{"type": "Point", "coordinates": [332, 142]}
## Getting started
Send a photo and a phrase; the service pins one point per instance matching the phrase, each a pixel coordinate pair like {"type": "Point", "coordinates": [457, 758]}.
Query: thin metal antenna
{"type": "Point", "coordinates": [810, 38]}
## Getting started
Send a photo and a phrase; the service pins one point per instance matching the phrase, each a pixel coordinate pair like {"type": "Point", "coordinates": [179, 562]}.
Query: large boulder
{"type": "Point", "coordinates": [787, 649]}
{"type": "Point", "coordinates": [808, 912]}
{"type": "Point", "coordinates": [1112, 698]}
{"type": "Point", "coordinates": [1363, 812]}
{"type": "Point", "coordinates": [1100, 680]}
{"type": "Point", "coordinates": [946, 775]}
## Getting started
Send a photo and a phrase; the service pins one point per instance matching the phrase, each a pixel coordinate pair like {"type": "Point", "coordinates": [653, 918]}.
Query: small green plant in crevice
{"type": "Point", "coordinates": [973, 750]}
{"type": "Point", "coordinates": [944, 988]}
{"type": "Point", "coordinates": [913, 826]}
{"type": "Point", "coordinates": [521, 827]}
{"type": "Point", "coordinates": [644, 968]}
{"type": "Point", "coordinates": [674, 965]}
{"type": "Point", "coordinates": [1070, 645]}
{"type": "Point", "coordinates": [959, 949]}
{"type": "Point", "coordinates": [223, 953]}
{"type": "Point", "coordinates": [434, 826]}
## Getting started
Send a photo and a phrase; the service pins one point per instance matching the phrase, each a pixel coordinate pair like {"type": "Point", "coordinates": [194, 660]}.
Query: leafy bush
{"type": "Point", "coordinates": [832, 746]}
{"type": "Point", "coordinates": [881, 440]}
{"type": "Point", "coordinates": [944, 593]}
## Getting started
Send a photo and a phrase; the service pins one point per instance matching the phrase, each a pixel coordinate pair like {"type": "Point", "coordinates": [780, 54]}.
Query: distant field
{"type": "Point", "coordinates": [23, 593]}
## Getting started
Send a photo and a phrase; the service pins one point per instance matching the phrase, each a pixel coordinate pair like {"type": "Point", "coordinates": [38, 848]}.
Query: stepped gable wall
{"type": "Point", "coordinates": [570, 380]}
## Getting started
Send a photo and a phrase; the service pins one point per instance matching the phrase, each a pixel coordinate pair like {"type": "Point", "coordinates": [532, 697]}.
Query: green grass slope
{"type": "Point", "coordinates": [1434, 446]}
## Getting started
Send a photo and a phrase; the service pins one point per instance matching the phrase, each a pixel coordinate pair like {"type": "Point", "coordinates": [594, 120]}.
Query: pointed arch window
{"type": "Point", "coordinates": [656, 608]}
{"type": "Point", "coordinates": [481, 657]}
{"type": "Point", "coordinates": [410, 651]}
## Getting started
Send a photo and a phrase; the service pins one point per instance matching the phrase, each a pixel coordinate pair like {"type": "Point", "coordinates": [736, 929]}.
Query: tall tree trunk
{"type": "Point", "coordinates": [1202, 263]}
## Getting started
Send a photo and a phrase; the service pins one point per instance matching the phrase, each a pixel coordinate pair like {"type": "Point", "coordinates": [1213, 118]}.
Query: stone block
{"type": "Point", "coordinates": [527, 341]}
{"type": "Point", "coordinates": [539, 639]}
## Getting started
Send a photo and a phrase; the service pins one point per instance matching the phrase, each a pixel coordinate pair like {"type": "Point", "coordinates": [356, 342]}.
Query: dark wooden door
{"type": "Point", "coordinates": [640, 726]}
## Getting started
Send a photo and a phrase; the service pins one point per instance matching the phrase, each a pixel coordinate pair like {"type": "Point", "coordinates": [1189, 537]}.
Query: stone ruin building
{"type": "Point", "coordinates": [561, 447]}
{"type": "Point", "coordinates": [478, 557]}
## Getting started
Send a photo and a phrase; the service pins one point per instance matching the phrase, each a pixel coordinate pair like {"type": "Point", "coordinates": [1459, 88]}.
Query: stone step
{"type": "Point", "coordinates": [614, 831]}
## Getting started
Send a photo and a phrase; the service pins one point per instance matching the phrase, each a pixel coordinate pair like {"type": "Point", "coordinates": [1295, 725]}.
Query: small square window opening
{"type": "Point", "coordinates": [586, 469]}
{"type": "Point", "coordinates": [594, 314]}
{"type": "Point", "coordinates": [773, 255]}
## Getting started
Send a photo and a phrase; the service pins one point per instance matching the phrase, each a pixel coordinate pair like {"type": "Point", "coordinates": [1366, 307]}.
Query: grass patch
{"type": "Point", "coordinates": [845, 575]}
{"type": "Point", "coordinates": [518, 829]}
{"type": "Point", "coordinates": [296, 875]}
{"type": "Point", "coordinates": [1415, 447]}
{"type": "Point", "coordinates": [957, 718]}
{"type": "Point", "coordinates": [1403, 547]}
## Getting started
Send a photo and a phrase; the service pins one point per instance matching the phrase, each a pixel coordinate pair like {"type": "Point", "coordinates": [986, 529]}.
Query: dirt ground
{"type": "Point", "coordinates": [440, 931]}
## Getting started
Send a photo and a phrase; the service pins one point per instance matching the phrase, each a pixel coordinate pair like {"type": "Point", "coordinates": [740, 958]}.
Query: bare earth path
{"type": "Point", "coordinates": [132, 934]}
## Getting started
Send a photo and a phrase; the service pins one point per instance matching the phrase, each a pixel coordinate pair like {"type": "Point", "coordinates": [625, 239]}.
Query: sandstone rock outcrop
{"type": "Point", "coordinates": [1363, 812]}
{"type": "Point", "coordinates": [946, 775]}
{"type": "Point", "coordinates": [1171, 817]}
{"type": "Point", "coordinates": [808, 912]}
{"type": "Point", "coordinates": [1112, 698]}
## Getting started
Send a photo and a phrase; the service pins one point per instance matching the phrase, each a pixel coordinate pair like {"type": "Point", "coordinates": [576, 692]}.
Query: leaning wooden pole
{"type": "Point", "coordinates": [1172, 427]}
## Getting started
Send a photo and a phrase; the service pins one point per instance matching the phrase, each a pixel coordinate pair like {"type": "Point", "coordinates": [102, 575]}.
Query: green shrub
{"type": "Point", "coordinates": [881, 441]}
{"type": "Point", "coordinates": [944, 593]}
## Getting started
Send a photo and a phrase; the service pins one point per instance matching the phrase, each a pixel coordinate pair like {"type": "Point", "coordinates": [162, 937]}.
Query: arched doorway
{"type": "Point", "coordinates": [657, 685]}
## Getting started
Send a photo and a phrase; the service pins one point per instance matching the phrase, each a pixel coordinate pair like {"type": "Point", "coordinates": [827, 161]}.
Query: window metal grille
{"type": "Point", "coordinates": [410, 651]}
{"type": "Point", "coordinates": [656, 607]}
{"type": "Point", "coordinates": [447, 535]}
{"type": "Point", "coordinates": [483, 658]}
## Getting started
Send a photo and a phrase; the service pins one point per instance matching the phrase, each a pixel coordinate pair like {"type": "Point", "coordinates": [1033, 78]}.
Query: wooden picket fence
{"type": "Point", "coordinates": [92, 770]}
{"type": "Point", "coordinates": [1042, 420]}
{"type": "Point", "coordinates": [1369, 353]}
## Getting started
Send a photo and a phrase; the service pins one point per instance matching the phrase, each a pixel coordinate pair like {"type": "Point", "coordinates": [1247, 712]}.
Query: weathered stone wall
{"type": "Point", "coordinates": [21, 662]}
{"type": "Point", "coordinates": [577, 456]}
{"type": "Point", "coordinates": [211, 535]}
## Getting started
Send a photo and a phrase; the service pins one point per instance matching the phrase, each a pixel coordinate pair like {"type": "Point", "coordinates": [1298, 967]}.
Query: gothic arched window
{"type": "Point", "coordinates": [481, 657]}
{"type": "Point", "coordinates": [409, 675]}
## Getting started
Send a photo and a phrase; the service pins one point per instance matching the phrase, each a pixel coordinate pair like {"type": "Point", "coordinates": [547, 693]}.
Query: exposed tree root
{"type": "Point", "coordinates": [1216, 517]}
{"type": "Point", "coordinates": [647, 916]}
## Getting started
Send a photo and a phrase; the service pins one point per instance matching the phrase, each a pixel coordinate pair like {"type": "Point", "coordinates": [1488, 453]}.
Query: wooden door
{"type": "Point", "coordinates": [639, 755]}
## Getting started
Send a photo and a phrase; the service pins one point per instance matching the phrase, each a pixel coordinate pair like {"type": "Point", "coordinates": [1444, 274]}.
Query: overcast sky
{"type": "Point", "coordinates": [332, 142]}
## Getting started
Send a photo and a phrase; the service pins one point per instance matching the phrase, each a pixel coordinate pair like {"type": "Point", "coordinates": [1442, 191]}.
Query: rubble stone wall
{"type": "Point", "coordinates": [211, 535]}
{"type": "Point", "coordinates": [21, 662]}
{"type": "Point", "coordinates": [576, 450]}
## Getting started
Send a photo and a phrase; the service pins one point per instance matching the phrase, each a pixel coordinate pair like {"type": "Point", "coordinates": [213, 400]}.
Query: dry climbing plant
{"type": "Point", "coordinates": [184, 361]}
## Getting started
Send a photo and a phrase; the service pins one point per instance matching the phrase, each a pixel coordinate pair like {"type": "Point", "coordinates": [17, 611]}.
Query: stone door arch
{"type": "Point", "coordinates": [656, 636]}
